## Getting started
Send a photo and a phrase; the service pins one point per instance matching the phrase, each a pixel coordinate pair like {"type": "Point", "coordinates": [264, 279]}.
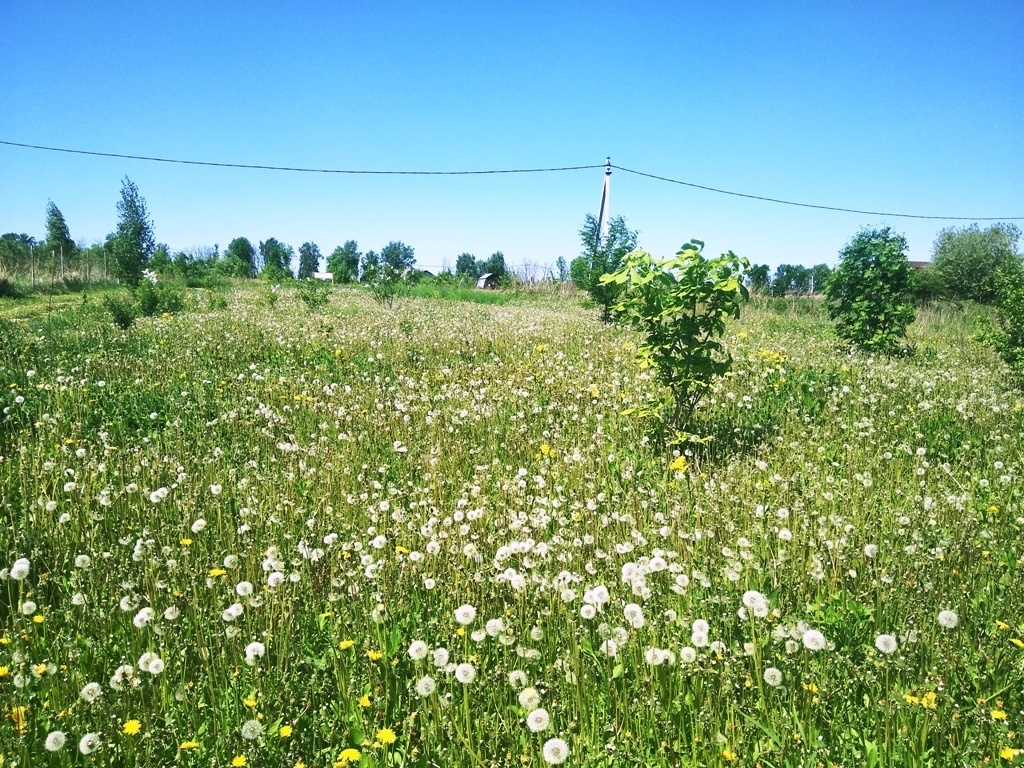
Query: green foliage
{"type": "Point", "coordinates": [314, 293]}
{"type": "Point", "coordinates": [927, 284]}
{"type": "Point", "coordinates": [602, 256]}
{"type": "Point", "coordinates": [133, 243]}
{"type": "Point", "coordinates": [277, 260]}
{"type": "Point", "coordinates": [868, 295]}
{"type": "Point", "coordinates": [759, 278]}
{"type": "Point", "coordinates": [343, 263]}
{"type": "Point", "coordinates": [384, 282]}
{"type": "Point", "coordinates": [969, 258]}
{"type": "Point", "coordinates": [466, 265]}
{"type": "Point", "coordinates": [398, 256]}
{"type": "Point", "coordinates": [240, 258]}
{"type": "Point", "coordinates": [1007, 335]}
{"type": "Point", "coordinates": [309, 260]}
{"type": "Point", "coordinates": [680, 305]}
{"type": "Point", "coordinates": [122, 308]}
{"type": "Point", "coordinates": [57, 235]}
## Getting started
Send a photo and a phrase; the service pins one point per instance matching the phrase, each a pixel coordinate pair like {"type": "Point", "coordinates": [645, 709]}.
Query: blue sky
{"type": "Point", "coordinates": [903, 107]}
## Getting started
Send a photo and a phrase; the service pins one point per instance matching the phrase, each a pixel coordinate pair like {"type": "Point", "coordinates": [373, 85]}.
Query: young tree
{"type": "Point", "coordinates": [133, 241]}
{"type": "Point", "coordinates": [562, 269]}
{"type": "Point", "coordinates": [309, 260]}
{"type": "Point", "coordinates": [343, 262]}
{"type": "Point", "coordinates": [370, 262]}
{"type": "Point", "coordinates": [868, 295]}
{"type": "Point", "coordinates": [240, 258]}
{"type": "Point", "coordinates": [969, 258]}
{"type": "Point", "coordinates": [398, 256]}
{"type": "Point", "coordinates": [680, 305]}
{"type": "Point", "coordinates": [602, 256]}
{"type": "Point", "coordinates": [1007, 334]}
{"type": "Point", "coordinates": [58, 239]}
{"type": "Point", "coordinates": [820, 274]}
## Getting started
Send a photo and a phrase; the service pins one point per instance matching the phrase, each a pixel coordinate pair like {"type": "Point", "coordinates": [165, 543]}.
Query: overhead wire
{"type": "Point", "coordinates": [362, 172]}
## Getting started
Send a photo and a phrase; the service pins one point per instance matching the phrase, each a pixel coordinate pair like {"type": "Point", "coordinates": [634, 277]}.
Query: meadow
{"type": "Point", "coordinates": [437, 535]}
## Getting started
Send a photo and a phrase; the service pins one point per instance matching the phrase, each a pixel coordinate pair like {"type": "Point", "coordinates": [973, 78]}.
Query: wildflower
{"type": "Point", "coordinates": [425, 686]}
{"type": "Point", "coordinates": [373, 655]}
{"type": "Point", "coordinates": [529, 698]}
{"type": "Point", "coordinates": [285, 731]}
{"type": "Point", "coordinates": [678, 464]}
{"type": "Point", "coordinates": [465, 673]}
{"type": "Point", "coordinates": [1018, 643]}
{"type": "Point", "coordinates": [440, 657]}
{"type": "Point", "coordinates": [82, 561]}
{"type": "Point", "coordinates": [28, 608]}
{"type": "Point", "coordinates": [465, 614]}
{"type": "Point", "coordinates": [1008, 753]}
{"type": "Point", "coordinates": [252, 730]}
{"type": "Point", "coordinates": [418, 650]}
{"type": "Point", "coordinates": [911, 700]}
{"type": "Point", "coordinates": [687, 655]}
{"type": "Point", "coordinates": [948, 619]}
{"type": "Point", "coordinates": [494, 627]}
{"type": "Point", "coordinates": [386, 736]}
{"type": "Point", "coordinates": [89, 743]}
{"type": "Point", "coordinates": [238, 761]}
{"type": "Point", "coordinates": [813, 640]}
{"type": "Point", "coordinates": [773, 677]}
{"type": "Point", "coordinates": [556, 751]}
{"type": "Point", "coordinates": [344, 645]}
{"type": "Point", "coordinates": [348, 756]}
{"type": "Point", "coordinates": [18, 716]}
{"type": "Point", "coordinates": [55, 741]}
{"type": "Point", "coordinates": [254, 651]}
{"type": "Point", "coordinates": [91, 692]}
{"type": "Point", "coordinates": [20, 569]}
{"type": "Point", "coordinates": [250, 702]}
{"type": "Point", "coordinates": [364, 700]}
{"type": "Point", "coordinates": [930, 700]}
{"type": "Point", "coordinates": [997, 714]}
{"type": "Point", "coordinates": [729, 754]}
{"type": "Point", "coordinates": [538, 720]}
{"type": "Point", "coordinates": [188, 745]}
{"type": "Point", "coordinates": [886, 644]}
{"type": "Point", "coordinates": [131, 727]}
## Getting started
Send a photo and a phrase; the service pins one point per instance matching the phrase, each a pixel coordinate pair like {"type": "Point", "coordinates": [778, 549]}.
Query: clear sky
{"type": "Point", "coordinates": [913, 107]}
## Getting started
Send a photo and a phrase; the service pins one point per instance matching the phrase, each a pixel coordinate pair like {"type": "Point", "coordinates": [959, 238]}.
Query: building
{"type": "Point", "coordinates": [487, 280]}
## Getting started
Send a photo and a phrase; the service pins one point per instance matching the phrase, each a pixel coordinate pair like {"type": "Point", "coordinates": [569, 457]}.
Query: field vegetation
{"type": "Point", "coordinates": [254, 531]}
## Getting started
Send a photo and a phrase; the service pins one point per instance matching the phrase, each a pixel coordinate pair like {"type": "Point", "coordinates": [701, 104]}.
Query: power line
{"type": "Point", "coordinates": [297, 170]}
{"type": "Point", "coordinates": [501, 171]}
{"type": "Point", "coordinates": [819, 207]}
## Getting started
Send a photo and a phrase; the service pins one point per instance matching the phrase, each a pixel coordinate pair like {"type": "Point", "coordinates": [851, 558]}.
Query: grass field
{"type": "Point", "coordinates": [433, 536]}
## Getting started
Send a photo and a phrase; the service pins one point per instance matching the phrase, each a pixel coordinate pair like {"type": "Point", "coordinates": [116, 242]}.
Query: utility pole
{"type": "Point", "coordinates": [62, 261]}
{"type": "Point", "coordinates": [32, 264]}
{"type": "Point", "coordinates": [603, 215]}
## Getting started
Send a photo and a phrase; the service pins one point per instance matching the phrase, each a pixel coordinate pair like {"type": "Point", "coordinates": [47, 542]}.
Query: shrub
{"type": "Point", "coordinates": [928, 284]}
{"type": "Point", "coordinates": [969, 258]}
{"type": "Point", "coordinates": [868, 295]}
{"type": "Point", "coordinates": [384, 282]}
{"type": "Point", "coordinates": [122, 308]}
{"type": "Point", "coordinates": [314, 293]}
{"type": "Point", "coordinates": [1007, 336]}
{"type": "Point", "coordinates": [680, 306]}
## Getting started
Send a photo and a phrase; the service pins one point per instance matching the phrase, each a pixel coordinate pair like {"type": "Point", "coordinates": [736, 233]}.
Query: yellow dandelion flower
{"type": "Point", "coordinates": [545, 449]}
{"type": "Point", "coordinates": [930, 700]}
{"type": "Point", "coordinates": [285, 732]}
{"type": "Point", "coordinates": [38, 619]}
{"type": "Point", "coordinates": [350, 755]}
{"type": "Point", "coordinates": [729, 754]}
{"type": "Point", "coordinates": [364, 700]}
{"type": "Point", "coordinates": [386, 736]}
{"type": "Point", "coordinates": [997, 714]}
{"type": "Point", "coordinates": [401, 550]}
{"type": "Point", "coordinates": [1008, 753]}
{"type": "Point", "coordinates": [344, 645]}
{"type": "Point", "coordinates": [239, 761]}
{"type": "Point", "coordinates": [250, 702]}
{"type": "Point", "coordinates": [911, 700]}
{"type": "Point", "coordinates": [39, 670]}
{"type": "Point", "coordinates": [678, 464]}
{"type": "Point", "coordinates": [5, 672]}
{"type": "Point", "coordinates": [131, 727]}
{"type": "Point", "coordinates": [1018, 643]}
{"type": "Point", "coordinates": [215, 572]}
{"type": "Point", "coordinates": [1002, 624]}
{"type": "Point", "coordinates": [188, 745]}
{"type": "Point", "coordinates": [373, 655]}
{"type": "Point", "coordinates": [18, 716]}
{"type": "Point", "coordinates": [461, 631]}
{"type": "Point", "coordinates": [186, 542]}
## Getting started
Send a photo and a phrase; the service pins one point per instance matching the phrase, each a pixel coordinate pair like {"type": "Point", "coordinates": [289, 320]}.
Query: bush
{"type": "Point", "coordinates": [147, 299]}
{"type": "Point", "coordinates": [969, 258]}
{"type": "Point", "coordinates": [1007, 336]}
{"type": "Point", "coordinates": [680, 306]}
{"type": "Point", "coordinates": [314, 293]}
{"type": "Point", "coordinates": [122, 308]}
{"type": "Point", "coordinates": [928, 284]}
{"type": "Point", "coordinates": [384, 282]}
{"type": "Point", "coordinates": [868, 295]}
{"type": "Point", "coordinates": [10, 290]}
